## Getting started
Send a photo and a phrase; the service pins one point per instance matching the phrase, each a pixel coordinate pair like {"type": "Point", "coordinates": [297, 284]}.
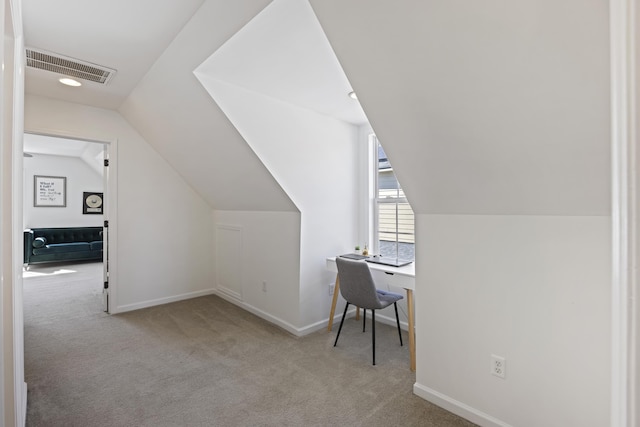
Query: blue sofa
{"type": "Point", "coordinates": [62, 244]}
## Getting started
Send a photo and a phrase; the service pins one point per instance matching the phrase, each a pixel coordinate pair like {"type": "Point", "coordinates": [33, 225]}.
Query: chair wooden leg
{"type": "Point", "coordinates": [364, 318]}
{"type": "Point", "coordinates": [398, 322]}
{"type": "Point", "coordinates": [341, 322]}
{"type": "Point", "coordinates": [373, 334]}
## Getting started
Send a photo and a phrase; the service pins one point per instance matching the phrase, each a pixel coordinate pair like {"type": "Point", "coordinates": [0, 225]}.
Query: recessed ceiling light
{"type": "Point", "coordinates": [353, 95]}
{"type": "Point", "coordinates": [69, 82]}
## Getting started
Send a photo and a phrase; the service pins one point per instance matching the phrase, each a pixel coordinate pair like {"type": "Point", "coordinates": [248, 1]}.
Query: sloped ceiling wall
{"type": "Point", "coordinates": [485, 107]}
{"type": "Point", "coordinates": [495, 116]}
{"type": "Point", "coordinates": [178, 117]}
{"type": "Point", "coordinates": [283, 53]}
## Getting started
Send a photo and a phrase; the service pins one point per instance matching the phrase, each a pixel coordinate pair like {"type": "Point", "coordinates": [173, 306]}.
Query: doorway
{"type": "Point", "coordinates": [66, 183]}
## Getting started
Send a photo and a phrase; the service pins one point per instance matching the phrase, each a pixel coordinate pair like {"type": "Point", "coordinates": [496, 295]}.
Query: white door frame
{"type": "Point", "coordinates": [14, 394]}
{"type": "Point", "coordinates": [109, 213]}
{"type": "Point", "coordinates": [110, 201]}
{"type": "Point", "coordinates": [624, 214]}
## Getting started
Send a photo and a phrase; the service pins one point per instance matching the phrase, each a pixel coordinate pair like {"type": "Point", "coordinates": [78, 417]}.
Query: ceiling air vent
{"type": "Point", "coordinates": [55, 63]}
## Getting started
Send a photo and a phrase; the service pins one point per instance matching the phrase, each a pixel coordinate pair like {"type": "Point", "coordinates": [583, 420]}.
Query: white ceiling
{"type": "Point", "coordinates": [42, 144]}
{"type": "Point", "coordinates": [282, 53]}
{"type": "Point", "coordinates": [124, 35]}
{"type": "Point", "coordinates": [154, 43]}
{"type": "Point", "coordinates": [90, 152]}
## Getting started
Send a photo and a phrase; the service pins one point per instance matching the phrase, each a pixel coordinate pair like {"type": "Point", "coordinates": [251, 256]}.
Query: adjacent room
{"type": "Point", "coordinates": [64, 187]}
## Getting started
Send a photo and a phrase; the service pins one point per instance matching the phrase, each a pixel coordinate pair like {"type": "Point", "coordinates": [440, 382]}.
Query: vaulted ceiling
{"type": "Point", "coordinates": [281, 52]}
{"type": "Point", "coordinates": [482, 107]}
{"type": "Point", "coordinates": [290, 58]}
{"type": "Point", "coordinates": [124, 35]}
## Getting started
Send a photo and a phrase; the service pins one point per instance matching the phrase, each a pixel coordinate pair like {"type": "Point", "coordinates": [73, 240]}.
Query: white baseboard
{"type": "Point", "coordinates": [24, 405]}
{"type": "Point", "coordinates": [160, 301]}
{"type": "Point", "coordinates": [391, 321]}
{"type": "Point", "coordinates": [323, 324]}
{"type": "Point", "coordinates": [456, 407]}
{"type": "Point", "coordinates": [314, 327]}
{"type": "Point", "coordinates": [262, 314]}
{"type": "Point", "coordinates": [299, 332]}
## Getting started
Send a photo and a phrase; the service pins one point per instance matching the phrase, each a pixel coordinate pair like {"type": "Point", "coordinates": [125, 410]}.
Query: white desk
{"type": "Point", "coordinates": [402, 277]}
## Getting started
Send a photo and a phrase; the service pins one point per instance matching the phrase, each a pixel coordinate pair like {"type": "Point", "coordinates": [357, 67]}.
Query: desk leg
{"type": "Point", "coordinates": [412, 337]}
{"type": "Point", "coordinates": [332, 313]}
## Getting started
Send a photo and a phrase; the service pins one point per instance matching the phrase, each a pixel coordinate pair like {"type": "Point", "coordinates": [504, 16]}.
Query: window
{"type": "Point", "coordinates": [393, 227]}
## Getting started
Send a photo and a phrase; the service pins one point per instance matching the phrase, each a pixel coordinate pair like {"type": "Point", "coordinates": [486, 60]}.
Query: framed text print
{"type": "Point", "coordinates": [49, 191]}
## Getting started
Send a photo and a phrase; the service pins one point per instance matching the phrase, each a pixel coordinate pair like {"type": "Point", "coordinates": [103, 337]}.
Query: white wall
{"type": "Point", "coordinates": [482, 106]}
{"type": "Point", "coordinates": [270, 252]}
{"type": "Point", "coordinates": [314, 158]}
{"type": "Point", "coordinates": [80, 178]}
{"type": "Point", "coordinates": [181, 121]}
{"type": "Point", "coordinates": [13, 392]}
{"type": "Point", "coordinates": [496, 118]}
{"type": "Point", "coordinates": [164, 228]}
{"type": "Point", "coordinates": [635, 123]}
{"type": "Point", "coordinates": [365, 185]}
{"type": "Point", "coordinates": [532, 289]}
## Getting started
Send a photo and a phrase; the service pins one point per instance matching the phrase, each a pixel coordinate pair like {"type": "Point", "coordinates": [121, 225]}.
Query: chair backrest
{"type": "Point", "coordinates": [356, 284]}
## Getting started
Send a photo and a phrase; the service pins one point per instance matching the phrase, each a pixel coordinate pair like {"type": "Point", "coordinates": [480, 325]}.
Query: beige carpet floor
{"type": "Point", "coordinates": [203, 362]}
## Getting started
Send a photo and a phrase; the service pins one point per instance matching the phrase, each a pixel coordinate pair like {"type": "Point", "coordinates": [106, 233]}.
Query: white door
{"type": "Point", "coordinates": [105, 231]}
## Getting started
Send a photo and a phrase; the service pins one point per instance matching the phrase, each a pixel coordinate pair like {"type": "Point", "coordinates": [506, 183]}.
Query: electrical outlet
{"type": "Point", "coordinates": [498, 366]}
{"type": "Point", "coordinates": [332, 288]}
{"type": "Point", "coordinates": [264, 286]}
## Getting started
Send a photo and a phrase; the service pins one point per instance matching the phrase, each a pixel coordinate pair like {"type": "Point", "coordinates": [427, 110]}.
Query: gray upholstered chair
{"type": "Point", "coordinates": [358, 288]}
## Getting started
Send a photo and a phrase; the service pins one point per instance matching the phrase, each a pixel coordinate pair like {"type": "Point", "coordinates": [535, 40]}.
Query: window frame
{"type": "Point", "coordinates": [374, 201]}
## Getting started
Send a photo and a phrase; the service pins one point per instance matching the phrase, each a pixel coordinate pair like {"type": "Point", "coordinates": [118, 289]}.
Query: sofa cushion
{"type": "Point", "coordinates": [96, 246]}
{"type": "Point", "coordinates": [39, 242]}
{"type": "Point", "coordinates": [62, 248]}
{"type": "Point", "coordinates": [69, 234]}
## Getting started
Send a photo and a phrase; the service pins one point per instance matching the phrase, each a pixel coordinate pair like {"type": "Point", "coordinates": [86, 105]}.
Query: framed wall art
{"type": "Point", "coordinates": [92, 203]}
{"type": "Point", "coordinates": [50, 191]}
